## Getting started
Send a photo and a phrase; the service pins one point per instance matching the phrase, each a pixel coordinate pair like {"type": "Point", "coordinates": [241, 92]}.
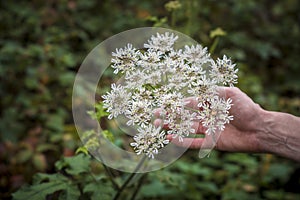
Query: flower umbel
{"type": "Point", "coordinates": [116, 101]}
{"type": "Point", "coordinates": [149, 140]}
{"type": "Point", "coordinates": [160, 76]}
{"type": "Point", "coordinates": [224, 71]}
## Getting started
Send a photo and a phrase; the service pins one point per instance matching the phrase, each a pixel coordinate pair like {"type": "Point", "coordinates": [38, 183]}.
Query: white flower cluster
{"type": "Point", "coordinates": [159, 76]}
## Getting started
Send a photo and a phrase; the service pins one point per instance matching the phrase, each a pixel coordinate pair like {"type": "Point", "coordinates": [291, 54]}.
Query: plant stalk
{"type": "Point", "coordinates": [129, 178]}
{"type": "Point", "coordinates": [139, 185]}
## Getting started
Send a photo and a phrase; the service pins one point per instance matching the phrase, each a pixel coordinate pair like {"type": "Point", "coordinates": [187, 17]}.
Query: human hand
{"type": "Point", "coordinates": [241, 134]}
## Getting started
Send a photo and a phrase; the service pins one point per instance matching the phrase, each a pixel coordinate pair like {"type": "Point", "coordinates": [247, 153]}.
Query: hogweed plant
{"type": "Point", "coordinates": [160, 78]}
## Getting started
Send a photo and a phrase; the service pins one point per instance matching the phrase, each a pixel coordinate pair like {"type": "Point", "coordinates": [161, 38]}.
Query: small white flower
{"type": "Point", "coordinates": [161, 42]}
{"type": "Point", "coordinates": [203, 89]}
{"type": "Point", "coordinates": [176, 81]}
{"type": "Point", "coordinates": [192, 72]}
{"type": "Point", "coordinates": [196, 54]}
{"type": "Point", "coordinates": [143, 94]}
{"type": "Point", "coordinates": [224, 71]}
{"type": "Point", "coordinates": [153, 78]}
{"type": "Point", "coordinates": [135, 79]}
{"type": "Point", "coordinates": [170, 101]}
{"type": "Point", "coordinates": [172, 60]}
{"type": "Point", "coordinates": [180, 123]}
{"type": "Point", "coordinates": [150, 60]}
{"type": "Point", "coordinates": [139, 112]}
{"type": "Point", "coordinates": [215, 114]}
{"type": "Point", "coordinates": [149, 140]}
{"type": "Point", "coordinates": [116, 101]}
{"type": "Point", "coordinates": [124, 60]}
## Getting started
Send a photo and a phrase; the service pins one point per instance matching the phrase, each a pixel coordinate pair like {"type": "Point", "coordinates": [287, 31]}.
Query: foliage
{"type": "Point", "coordinates": [240, 177]}
{"type": "Point", "coordinates": [42, 44]}
{"type": "Point", "coordinates": [72, 181]}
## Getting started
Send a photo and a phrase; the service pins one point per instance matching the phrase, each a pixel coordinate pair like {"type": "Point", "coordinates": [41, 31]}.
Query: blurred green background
{"type": "Point", "coordinates": [42, 44]}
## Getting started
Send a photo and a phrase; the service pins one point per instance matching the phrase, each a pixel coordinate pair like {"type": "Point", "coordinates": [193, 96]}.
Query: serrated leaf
{"type": "Point", "coordinates": [71, 193]}
{"type": "Point", "coordinates": [99, 191]}
{"type": "Point", "coordinates": [74, 165]}
{"type": "Point", "coordinates": [41, 177]}
{"type": "Point", "coordinates": [83, 150]}
{"type": "Point", "coordinates": [40, 191]}
{"type": "Point", "coordinates": [99, 112]}
{"type": "Point", "coordinates": [87, 135]}
{"type": "Point", "coordinates": [92, 114]}
{"type": "Point", "coordinates": [108, 135]}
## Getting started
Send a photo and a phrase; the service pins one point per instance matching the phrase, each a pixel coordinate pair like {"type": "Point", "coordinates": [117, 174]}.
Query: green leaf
{"type": "Point", "coordinates": [87, 135]}
{"type": "Point", "coordinates": [208, 186]}
{"type": "Point", "coordinates": [67, 78]}
{"type": "Point", "coordinates": [101, 190]}
{"type": "Point", "coordinates": [41, 177]}
{"type": "Point", "coordinates": [24, 155]}
{"type": "Point", "coordinates": [154, 189]}
{"type": "Point", "coordinates": [55, 122]}
{"type": "Point", "coordinates": [216, 33]}
{"type": "Point", "coordinates": [46, 184]}
{"type": "Point", "coordinates": [83, 150]}
{"type": "Point", "coordinates": [74, 165]}
{"type": "Point", "coordinates": [68, 60]}
{"type": "Point", "coordinates": [99, 113]}
{"type": "Point", "coordinates": [40, 191]}
{"type": "Point", "coordinates": [108, 135]}
{"type": "Point", "coordinates": [279, 171]}
{"type": "Point", "coordinates": [46, 147]}
{"type": "Point", "coordinates": [70, 193]}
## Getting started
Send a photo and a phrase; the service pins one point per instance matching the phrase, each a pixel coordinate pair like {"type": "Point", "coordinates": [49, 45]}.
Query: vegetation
{"type": "Point", "coordinates": [43, 43]}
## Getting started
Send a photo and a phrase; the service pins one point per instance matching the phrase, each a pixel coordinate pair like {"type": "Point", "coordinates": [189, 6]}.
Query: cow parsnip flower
{"type": "Point", "coordinates": [125, 60]}
{"type": "Point", "coordinates": [116, 101]}
{"type": "Point", "coordinates": [160, 76]}
{"type": "Point", "coordinates": [149, 140]}
{"type": "Point", "coordinates": [223, 71]}
{"type": "Point", "coordinates": [215, 114]}
{"type": "Point", "coordinates": [161, 42]}
{"type": "Point", "coordinates": [196, 54]}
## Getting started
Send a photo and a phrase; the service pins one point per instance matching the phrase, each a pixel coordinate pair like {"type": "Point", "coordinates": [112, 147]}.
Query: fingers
{"type": "Point", "coordinates": [159, 123]}
{"type": "Point", "coordinates": [157, 112]}
{"type": "Point", "coordinates": [197, 126]}
{"type": "Point", "coordinates": [190, 102]}
{"type": "Point", "coordinates": [192, 143]}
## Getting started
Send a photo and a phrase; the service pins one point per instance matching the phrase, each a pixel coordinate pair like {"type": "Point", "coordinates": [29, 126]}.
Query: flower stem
{"type": "Point", "coordinates": [110, 174]}
{"type": "Point", "coordinates": [129, 178]}
{"type": "Point", "coordinates": [111, 177]}
{"type": "Point", "coordinates": [139, 185]}
{"type": "Point", "coordinates": [214, 45]}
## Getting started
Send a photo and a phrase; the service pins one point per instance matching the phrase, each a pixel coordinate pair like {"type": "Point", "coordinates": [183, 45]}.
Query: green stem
{"type": "Point", "coordinates": [214, 45]}
{"type": "Point", "coordinates": [129, 178]}
{"type": "Point", "coordinates": [111, 177]}
{"type": "Point", "coordinates": [108, 172]}
{"type": "Point", "coordinates": [139, 185]}
{"type": "Point", "coordinates": [189, 17]}
{"type": "Point", "coordinates": [173, 19]}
